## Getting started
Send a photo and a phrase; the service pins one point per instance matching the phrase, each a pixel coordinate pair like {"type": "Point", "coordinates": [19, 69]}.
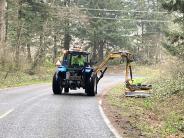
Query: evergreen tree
{"type": "Point", "coordinates": [175, 35]}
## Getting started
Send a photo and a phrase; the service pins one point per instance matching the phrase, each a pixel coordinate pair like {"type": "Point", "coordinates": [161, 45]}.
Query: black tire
{"type": "Point", "coordinates": [95, 84]}
{"type": "Point", "coordinates": [66, 89]}
{"type": "Point", "coordinates": [87, 88]}
{"type": "Point", "coordinates": [56, 85]}
{"type": "Point", "coordinates": [91, 86]}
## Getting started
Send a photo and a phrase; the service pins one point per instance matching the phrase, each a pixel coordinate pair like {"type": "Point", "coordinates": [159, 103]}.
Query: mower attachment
{"type": "Point", "coordinates": [138, 87]}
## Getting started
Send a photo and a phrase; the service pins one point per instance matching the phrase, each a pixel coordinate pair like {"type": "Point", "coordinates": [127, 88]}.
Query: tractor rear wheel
{"type": "Point", "coordinates": [91, 86]}
{"type": "Point", "coordinates": [56, 85]}
{"type": "Point", "coordinates": [95, 84]}
{"type": "Point", "coordinates": [66, 89]}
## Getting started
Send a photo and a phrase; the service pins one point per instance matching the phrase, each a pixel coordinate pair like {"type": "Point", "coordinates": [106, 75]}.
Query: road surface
{"type": "Point", "coordinates": [34, 112]}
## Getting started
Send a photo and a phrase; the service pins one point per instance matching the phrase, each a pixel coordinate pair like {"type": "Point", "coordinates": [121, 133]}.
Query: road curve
{"type": "Point", "coordinates": [34, 112]}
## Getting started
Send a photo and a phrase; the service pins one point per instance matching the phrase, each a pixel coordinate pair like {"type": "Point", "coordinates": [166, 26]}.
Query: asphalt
{"type": "Point", "coordinates": [34, 112]}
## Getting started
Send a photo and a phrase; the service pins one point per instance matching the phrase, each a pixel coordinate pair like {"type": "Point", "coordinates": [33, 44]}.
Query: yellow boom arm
{"type": "Point", "coordinates": [128, 70]}
{"type": "Point", "coordinates": [123, 55]}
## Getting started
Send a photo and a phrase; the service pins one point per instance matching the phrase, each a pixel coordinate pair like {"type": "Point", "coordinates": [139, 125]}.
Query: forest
{"type": "Point", "coordinates": [35, 30]}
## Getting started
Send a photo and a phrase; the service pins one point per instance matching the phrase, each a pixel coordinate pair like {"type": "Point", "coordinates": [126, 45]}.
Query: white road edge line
{"type": "Point", "coordinates": [108, 123]}
{"type": "Point", "coordinates": [5, 114]}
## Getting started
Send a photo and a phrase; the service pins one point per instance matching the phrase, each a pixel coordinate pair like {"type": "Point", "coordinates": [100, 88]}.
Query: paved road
{"type": "Point", "coordinates": [34, 112]}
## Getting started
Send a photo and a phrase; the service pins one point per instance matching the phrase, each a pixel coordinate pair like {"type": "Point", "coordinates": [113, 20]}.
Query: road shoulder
{"type": "Point", "coordinates": [120, 122]}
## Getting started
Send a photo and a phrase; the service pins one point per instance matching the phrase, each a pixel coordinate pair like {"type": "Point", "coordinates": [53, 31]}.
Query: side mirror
{"type": "Point", "coordinates": [58, 63]}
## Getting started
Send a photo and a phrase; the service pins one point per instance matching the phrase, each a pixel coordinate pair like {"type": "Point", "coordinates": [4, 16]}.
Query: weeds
{"type": "Point", "coordinates": [11, 78]}
{"type": "Point", "coordinates": [161, 115]}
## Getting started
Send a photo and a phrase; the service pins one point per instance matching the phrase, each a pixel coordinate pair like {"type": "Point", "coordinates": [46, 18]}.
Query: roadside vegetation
{"type": "Point", "coordinates": [21, 79]}
{"type": "Point", "coordinates": [162, 114]}
{"type": "Point", "coordinates": [11, 78]}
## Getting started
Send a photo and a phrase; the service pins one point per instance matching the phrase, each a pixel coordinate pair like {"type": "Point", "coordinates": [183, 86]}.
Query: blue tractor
{"type": "Point", "coordinates": [71, 75]}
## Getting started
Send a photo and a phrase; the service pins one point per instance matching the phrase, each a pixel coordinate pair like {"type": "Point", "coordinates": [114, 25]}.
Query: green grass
{"type": "Point", "coordinates": [161, 115]}
{"type": "Point", "coordinates": [138, 80]}
{"type": "Point", "coordinates": [14, 79]}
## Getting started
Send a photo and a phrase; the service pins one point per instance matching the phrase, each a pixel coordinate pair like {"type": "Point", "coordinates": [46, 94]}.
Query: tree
{"type": "Point", "coordinates": [175, 35]}
{"type": "Point", "coordinates": [2, 21]}
{"type": "Point", "coordinates": [2, 31]}
{"type": "Point", "coordinates": [102, 32]}
{"type": "Point", "coordinates": [45, 26]}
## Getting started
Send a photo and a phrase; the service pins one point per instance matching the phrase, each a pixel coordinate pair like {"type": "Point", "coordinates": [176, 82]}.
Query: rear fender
{"type": "Point", "coordinates": [87, 72]}
{"type": "Point", "coordinates": [61, 72]}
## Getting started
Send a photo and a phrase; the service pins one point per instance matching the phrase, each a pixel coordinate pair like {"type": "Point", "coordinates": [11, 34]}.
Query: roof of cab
{"type": "Point", "coordinates": [78, 52]}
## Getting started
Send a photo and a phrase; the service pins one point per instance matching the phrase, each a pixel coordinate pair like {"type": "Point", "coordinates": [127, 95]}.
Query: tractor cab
{"type": "Point", "coordinates": [75, 59]}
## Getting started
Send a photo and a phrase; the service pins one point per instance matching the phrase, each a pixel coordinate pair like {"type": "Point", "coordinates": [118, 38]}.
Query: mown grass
{"type": "Point", "coordinates": [162, 114]}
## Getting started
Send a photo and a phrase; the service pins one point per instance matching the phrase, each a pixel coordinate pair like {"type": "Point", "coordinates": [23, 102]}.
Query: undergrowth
{"type": "Point", "coordinates": [12, 78]}
{"type": "Point", "coordinates": [162, 114]}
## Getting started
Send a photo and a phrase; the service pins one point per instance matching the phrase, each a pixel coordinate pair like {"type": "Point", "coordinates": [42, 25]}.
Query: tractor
{"type": "Point", "coordinates": [70, 75]}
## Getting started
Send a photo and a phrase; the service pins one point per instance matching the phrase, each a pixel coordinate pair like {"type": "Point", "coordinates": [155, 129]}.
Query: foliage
{"type": "Point", "coordinates": [37, 30]}
{"type": "Point", "coordinates": [14, 79]}
{"type": "Point", "coordinates": [173, 5]}
{"type": "Point", "coordinates": [42, 28]}
{"type": "Point", "coordinates": [171, 81]}
{"type": "Point", "coordinates": [175, 33]}
{"type": "Point", "coordinates": [160, 115]}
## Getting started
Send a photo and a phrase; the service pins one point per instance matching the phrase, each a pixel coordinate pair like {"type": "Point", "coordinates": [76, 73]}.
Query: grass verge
{"type": "Point", "coordinates": [14, 79]}
{"type": "Point", "coordinates": [161, 115]}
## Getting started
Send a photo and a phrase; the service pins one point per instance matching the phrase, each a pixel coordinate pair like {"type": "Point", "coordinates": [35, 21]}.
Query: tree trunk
{"type": "Point", "coordinates": [94, 54]}
{"type": "Point", "coordinates": [2, 21]}
{"type": "Point", "coordinates": [39, 55]}
{"type": "Point", "coordinates": [54, 50]}
{"type": "Point", "coordinates": [2, 31]}
{"type": "Point", "coordinates": [6, 33]}
{"type": "Point", "coordinates": [67, 37]}
{"type": "Point", "coordinates": [29, 59]}
{"type": "Point", "coordinates": [19, 28]}
{"type": "Point", "coordinates": [101, 52]}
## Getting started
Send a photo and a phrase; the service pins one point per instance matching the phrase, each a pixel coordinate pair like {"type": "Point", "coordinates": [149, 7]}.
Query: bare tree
{"type": "Point", "coordinates": [2, 21]}
{"type": "Point", "coordinates": [19, 29]}
{"type": "Point", "coordinates": [2, 31]}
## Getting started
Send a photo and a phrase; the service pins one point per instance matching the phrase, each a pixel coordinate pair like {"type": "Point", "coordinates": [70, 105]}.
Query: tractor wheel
{"type": "Point", "coordinates": [56, 85]}
{"type": "Point", "coordinates": [88, 86]}
{"type": "Point", "coordinates": [91, 86]}
{"type": "Point", "coordinates": [95, 84]}
{"type": "Point", "coordinates": [66, 89]}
